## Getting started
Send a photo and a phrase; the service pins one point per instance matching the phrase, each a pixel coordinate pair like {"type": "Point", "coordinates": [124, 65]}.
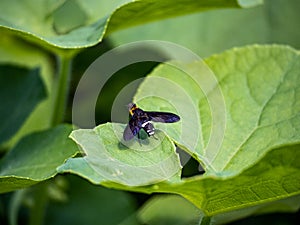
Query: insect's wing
{"type": "Point", "coordinates": [163, 117]}
{"type": "Point", "coordinates": [127, 135]}
{"type": "Point", "coordinates": [131, 130]}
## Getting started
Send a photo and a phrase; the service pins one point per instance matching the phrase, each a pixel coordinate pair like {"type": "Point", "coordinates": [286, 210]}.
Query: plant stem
{"type": "Point", "coordinates": [15, 205]}
{"type": "Point", "coordinates": [61, 91]}
{"type": "Point", "coordinates": [62, 88]}
{"type": "Point", "coordinates": [38, 209]}
{"type": "Point", "coordinates": [205, 220]}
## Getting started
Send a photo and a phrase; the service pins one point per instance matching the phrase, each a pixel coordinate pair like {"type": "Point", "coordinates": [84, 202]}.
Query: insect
{"type": "Point", "coordinates": [141, 119]}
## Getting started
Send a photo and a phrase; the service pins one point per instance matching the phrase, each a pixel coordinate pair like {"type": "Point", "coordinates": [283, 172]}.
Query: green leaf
{"type": "Point", "coordinates": [15, 51]}
{"type": "Point", "coordinates": [256, 169]}
{"type": "Point", "coordinates": [272, 185]}
{"type": "Point", "coordinates": [177, 210]}
{"type": "Point", "coordinates": [110, 159]}
{"type": "Point", "coordinates": [256, 105]}
{"type": "Point", "coordinates": [275, 177]}
{"type": "Point", "coordinates": [35, 158]}
{"type": "Point", "coordinates": [78, 24]}
{"type": "Point", "coordinates": [205, 33]}
{"type": "Point", "coordinates": [21, 90]}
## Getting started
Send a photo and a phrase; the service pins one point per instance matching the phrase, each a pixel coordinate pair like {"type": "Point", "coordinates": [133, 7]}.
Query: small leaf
{"type": "Point", "coordinates": [110, 159]}
{"type": "Point", "coordinates": [21, 90]}
{"type": "Point", "coordinates": [78, 24]}
{"type": "Point", "coordinates": [35, 158]}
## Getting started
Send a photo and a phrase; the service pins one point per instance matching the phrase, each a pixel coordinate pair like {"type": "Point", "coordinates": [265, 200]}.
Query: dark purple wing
{"type": "Point", "coordinates": [130, 130]}
{"type": "Point", "coordinates": [163, 117]}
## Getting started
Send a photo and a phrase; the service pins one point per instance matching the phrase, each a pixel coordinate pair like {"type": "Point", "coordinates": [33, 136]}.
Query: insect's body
{"type": "Point", "coordinates": [143, 120]}
{"type": "Point", "coordinates": [140, 119]}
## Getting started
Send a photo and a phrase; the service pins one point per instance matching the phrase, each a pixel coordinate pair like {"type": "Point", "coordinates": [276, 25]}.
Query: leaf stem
{"type": "Point", "coordinates": [62, 88]}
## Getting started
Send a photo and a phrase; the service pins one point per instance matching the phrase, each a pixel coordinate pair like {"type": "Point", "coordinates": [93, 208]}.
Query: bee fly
{"type": "Point", "coordinates": [141, 119]}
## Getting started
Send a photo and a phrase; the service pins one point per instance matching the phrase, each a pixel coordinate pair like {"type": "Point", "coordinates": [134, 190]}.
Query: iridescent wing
{"type": "Point", "coordinates": [163, 117]}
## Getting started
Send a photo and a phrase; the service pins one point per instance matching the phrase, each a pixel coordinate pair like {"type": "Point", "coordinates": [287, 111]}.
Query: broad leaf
{"type": "Point", "coordinates": [133, 163]}
{"type": "Point", "coordinates": [260, 89]}
{"type": "Point", "coordinates": [252, 109]}
{"type": "Point", "coordinates": [35, 158]}
{"type": "Point", "coordinates": [77, 24]}
{"type": "Point", "coordinates": [256, 168]}
{"type": "Point", "coordinates": [21, 90]}
{"type": "Point", "coordinates": [206, 34]}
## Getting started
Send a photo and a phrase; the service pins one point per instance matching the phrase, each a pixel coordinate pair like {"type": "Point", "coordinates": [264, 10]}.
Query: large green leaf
{"type": "Point", "coordinates": [35, 158]}
{"type": "Point", "coordinates": [108, 158]}
{"type": "Point", "coordinates": [77, 24]}
{"type": "Point", "coordinates": [260, 86]}
{"type": "Point", "coordinates": [256, 167]}
{"type": "Point", "coordinates": [257, 92]}
{"type": "Point", "coordinates": [211, 32]}
{"type": "Point", "coordinates": [21, 90]}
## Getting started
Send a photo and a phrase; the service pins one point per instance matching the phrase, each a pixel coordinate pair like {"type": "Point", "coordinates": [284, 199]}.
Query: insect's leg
{"type": "Point", "coordinates": [139, 138]}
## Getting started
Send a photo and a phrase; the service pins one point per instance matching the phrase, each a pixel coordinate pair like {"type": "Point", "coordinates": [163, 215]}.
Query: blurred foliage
{"type": "Point", "coordinates": [89, 204]}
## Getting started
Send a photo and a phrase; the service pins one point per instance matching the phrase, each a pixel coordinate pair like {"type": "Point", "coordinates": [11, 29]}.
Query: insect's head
{"type": "Point", "coordinates": [131, 107]}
